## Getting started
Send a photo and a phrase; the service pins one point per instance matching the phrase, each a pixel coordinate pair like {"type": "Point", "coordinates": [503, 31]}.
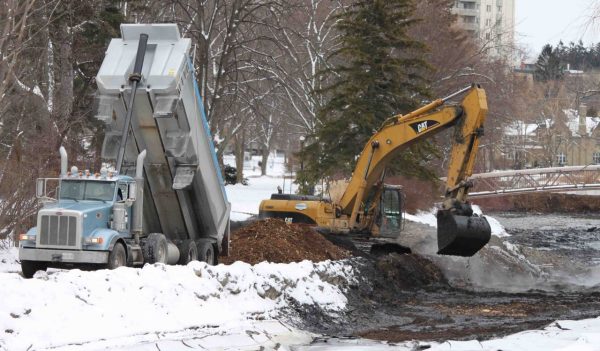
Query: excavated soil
{"type": "Point", "coordinates": [275, 241]}
{"type": "Point", "coordinates": [400, 297]}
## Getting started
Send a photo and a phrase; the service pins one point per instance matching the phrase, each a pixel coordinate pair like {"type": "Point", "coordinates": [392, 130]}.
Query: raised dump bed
{"type": "Point", "coordinates": [187, 197]}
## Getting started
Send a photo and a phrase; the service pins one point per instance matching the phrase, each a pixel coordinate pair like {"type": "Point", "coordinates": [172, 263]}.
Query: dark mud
{"type": "Point", "coordinates": [400, 297]}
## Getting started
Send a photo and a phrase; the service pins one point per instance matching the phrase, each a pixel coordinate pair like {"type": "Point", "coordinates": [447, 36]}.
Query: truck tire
{"type": "Point", "coordinates": [188, 252]}
{"type": "Point", "coordinates": [117, 257]}
{"type": "Point", "coordinates": [206, 252]}
{"type": "Point", "coordinates": [30, 267]}
{"type": "Point", "coordinates": [155, 248]}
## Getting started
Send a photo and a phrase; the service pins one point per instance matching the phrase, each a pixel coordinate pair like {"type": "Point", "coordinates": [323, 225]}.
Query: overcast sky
{"type": "Point", "coordinates": [549, 21]}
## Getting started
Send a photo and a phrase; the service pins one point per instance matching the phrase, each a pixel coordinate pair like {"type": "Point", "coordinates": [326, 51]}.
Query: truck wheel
{"type": "Point", "coordinates": [155, 250]}
{"type": "Point", "coordinates": [206, 252]}
{"type": "Point", "coordinates": [30, 267]}
{"type": "Point", "coordinates": [117, 257]}
{"type": "Point", "coordinates": [188, 252]}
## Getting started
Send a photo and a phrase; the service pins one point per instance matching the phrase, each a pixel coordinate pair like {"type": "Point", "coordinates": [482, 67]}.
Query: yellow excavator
{"type": "Point", "coordinates": [370, 206]}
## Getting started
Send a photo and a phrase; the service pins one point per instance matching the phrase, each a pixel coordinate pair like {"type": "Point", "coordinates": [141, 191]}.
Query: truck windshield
{"type": "Point", "coordinates": [87, 190]}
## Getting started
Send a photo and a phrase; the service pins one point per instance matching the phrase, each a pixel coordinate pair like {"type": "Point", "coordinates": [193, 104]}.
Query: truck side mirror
{"type": "Point", "coordinates": [132, 191]}
{"type": "Point", "coordinates": [40, 190]}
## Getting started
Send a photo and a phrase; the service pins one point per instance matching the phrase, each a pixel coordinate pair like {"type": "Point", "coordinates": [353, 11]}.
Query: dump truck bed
{"type": "Point", "coordinates": [184, 193]}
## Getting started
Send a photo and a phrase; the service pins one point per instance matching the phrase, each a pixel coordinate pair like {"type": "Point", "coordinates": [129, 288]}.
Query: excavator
{"type": "Point", "coordinates": [368, 205]}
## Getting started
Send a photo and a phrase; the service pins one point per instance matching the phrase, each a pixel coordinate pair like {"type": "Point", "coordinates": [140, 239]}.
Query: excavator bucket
{"type": "Point", "coordinates": [461, 235]}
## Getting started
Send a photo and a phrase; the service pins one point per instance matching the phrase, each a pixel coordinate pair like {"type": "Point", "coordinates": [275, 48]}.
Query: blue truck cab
{"type": "Point", "coordinates": [90, 215]}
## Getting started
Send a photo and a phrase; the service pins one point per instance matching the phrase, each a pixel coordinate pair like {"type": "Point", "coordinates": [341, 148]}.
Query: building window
{"type": "Point", "coordinates": [487, 36]}
{"type": "Point", "coordinates": [561, 159]}
{"type": "Point", "coordinates": [488, 22]}
{"type": "Point", "coordinates": [488, 8]}
{"type": "Point", "coordinates": [469, 19]}
{"type": "Point", "coordinates": [596, 158]}
{"type": "Point", "coordinates": [499, 8]}
{"type": "Point", "coordinates": [469, 5]}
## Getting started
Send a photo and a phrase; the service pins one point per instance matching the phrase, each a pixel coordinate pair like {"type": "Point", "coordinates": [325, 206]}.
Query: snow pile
{"type": "Point", "coordinates": [69, 307]}
{"type": "Point", "coordinates": [583, 335]}
{"type": "Point", "coordinates": [429, 218]}
{"type": "Point", "coordinates": [8, 259]}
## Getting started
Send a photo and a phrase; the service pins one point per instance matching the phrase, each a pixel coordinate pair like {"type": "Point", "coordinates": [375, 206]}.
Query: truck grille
{"type": "Point", "coordinates": [58, 230]}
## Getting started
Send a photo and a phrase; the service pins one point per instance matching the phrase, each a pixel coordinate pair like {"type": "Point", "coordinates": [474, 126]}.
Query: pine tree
{"type": "Point", "coordinates": [548, 65]}
{"type": "Point", "coordinates": [380, 74]}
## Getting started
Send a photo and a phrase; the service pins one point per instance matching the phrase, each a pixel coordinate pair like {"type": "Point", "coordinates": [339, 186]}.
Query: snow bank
{"type": "Point", "coordinates": [8, 260]}
{"type": "Point", "coordinates": [74, 307]}
{"type": "Point", "coordinates": [429, 218]}
{"type": "Point", "coordinates": [583, 335]}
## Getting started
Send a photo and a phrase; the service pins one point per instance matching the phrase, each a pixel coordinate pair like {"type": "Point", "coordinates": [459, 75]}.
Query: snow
{"type": "Point", "coordinates": [245, 199]}
{"type": "Point", "coordinates": [65, 308]}
{"type": "Point", "coordinates": [8, 258]}
{"type": "Point", "coordinates": [520, 128]}
{"type": "Point", "coordinates": [573, 122]}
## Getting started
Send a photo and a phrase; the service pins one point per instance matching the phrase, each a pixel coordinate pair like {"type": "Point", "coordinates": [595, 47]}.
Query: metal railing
{"type": "Point", "coordinates": [553, 179]}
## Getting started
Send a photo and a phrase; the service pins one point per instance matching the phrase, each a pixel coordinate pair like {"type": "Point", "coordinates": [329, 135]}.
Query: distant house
{"type": "Point", "coordinates": [567, 140]}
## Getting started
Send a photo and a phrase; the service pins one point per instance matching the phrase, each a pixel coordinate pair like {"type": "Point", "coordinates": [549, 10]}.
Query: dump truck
{"type": "Point", "coordinates": [162, 197]}
{"type": "Point", "coordinates": [369, 206]}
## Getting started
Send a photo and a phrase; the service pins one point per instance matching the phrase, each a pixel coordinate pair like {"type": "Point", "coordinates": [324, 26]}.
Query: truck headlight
{"type": "Point", "coordinates": [94, 241]}
{"type": "Point", "coordinates": [25, 237]}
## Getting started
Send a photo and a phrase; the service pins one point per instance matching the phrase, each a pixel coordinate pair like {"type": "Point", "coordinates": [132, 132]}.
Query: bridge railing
{"type": "Point", "coordinates": [552, 179]}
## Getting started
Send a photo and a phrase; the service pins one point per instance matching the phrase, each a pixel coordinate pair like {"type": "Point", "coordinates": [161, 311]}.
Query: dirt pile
{"type": "Point", "coordinates": [410, 271]}
{"type": "Point", "coordinates": [275, 241]}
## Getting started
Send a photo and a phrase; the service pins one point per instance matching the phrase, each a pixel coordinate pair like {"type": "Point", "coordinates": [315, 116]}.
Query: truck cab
{"type": "Point", "coordinates": [90, 214]}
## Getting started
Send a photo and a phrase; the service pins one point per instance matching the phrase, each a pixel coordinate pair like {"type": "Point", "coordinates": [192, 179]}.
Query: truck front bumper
{"type": "Point", "coordinates": [62, 256]}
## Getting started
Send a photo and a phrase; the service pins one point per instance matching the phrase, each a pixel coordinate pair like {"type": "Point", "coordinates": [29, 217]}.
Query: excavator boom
{"type": "Point", "coordinates": [459, 231]}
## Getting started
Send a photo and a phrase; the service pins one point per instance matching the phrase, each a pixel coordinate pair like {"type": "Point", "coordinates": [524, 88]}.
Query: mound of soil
{"type": "Point", "coordinates": [275, 241]}
{"type": "Point", "coordinates": [410, 271]}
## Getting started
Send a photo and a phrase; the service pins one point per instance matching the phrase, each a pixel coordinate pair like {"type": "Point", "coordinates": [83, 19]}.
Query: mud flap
{"type": "Point", "coordinates": [461, 235]}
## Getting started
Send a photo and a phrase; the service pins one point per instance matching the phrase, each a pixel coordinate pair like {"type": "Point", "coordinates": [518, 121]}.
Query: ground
{"type": "Point", "coordinates": [524, 291]}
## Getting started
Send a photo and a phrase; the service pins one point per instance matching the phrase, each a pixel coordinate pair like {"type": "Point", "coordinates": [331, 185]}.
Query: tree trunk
{"type": "Point", "coordinates": [263, 161]}
{"type": "Point", "coordinates": [62, 105]}
{"type": "Point", "coordinates": [240, 140]}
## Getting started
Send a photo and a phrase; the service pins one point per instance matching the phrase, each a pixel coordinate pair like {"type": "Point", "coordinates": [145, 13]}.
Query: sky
{"type": "Point", "coordinates": [539, 22]}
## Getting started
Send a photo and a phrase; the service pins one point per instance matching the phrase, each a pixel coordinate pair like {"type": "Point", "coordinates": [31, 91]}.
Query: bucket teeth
{"type": "Point", "coordinates": [461, 235]}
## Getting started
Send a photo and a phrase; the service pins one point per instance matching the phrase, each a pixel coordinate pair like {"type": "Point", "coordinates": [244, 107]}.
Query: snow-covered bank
{"type": "Point", "coordinates": [73, 307]}
{"type": "Point", "coordinates": [9, 260]}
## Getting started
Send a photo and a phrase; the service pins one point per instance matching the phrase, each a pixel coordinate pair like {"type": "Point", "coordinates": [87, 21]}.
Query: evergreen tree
{"type": "Point", "coordinates": [548, 65]}
{"type": "Point", "coordinates": [380, 74]}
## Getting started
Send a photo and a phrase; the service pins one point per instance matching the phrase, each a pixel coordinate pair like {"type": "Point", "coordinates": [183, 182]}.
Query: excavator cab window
{"type": "Point", "coordinates": [391, 212]}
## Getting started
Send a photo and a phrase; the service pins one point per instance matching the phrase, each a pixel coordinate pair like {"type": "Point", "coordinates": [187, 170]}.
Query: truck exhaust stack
{"type": "Point", "coordinates": [63, 161]}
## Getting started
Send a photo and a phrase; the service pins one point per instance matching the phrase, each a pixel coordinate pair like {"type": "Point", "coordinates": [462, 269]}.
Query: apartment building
{"type": "Point", "coordinates": [491, 21]}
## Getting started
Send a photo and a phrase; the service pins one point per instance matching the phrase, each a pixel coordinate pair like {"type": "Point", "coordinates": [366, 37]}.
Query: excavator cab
{"type": "Point", "coordinates": [390, 220]}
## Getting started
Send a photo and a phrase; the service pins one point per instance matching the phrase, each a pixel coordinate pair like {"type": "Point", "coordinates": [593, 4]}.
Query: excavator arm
{"type": "Point", "coordinates": [459, 232]}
